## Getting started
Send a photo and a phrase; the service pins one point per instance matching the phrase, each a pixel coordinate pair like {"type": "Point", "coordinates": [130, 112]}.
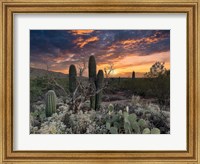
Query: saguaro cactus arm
{"type": "Point", "coordinates": [99, 85]}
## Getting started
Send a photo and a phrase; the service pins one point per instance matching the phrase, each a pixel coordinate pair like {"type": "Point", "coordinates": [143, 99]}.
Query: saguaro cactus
{"type": "Point", "coordinates": [72, 78]}
{"type": "Point", "coordinates": [99, 86]}
{"type": "Point", "coordinates": [50, 103]}
{"type": "Point", "coordinates": [133, 75]}
{"type": "Point", "coordinates": [92, 68]}
{"type": "Point", "coordinates": [92, 79]}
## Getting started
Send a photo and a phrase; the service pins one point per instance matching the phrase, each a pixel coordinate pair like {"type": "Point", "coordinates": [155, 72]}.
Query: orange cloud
{"type": "Point", "coordinates": [132, 42]}
{"type": "Point", "coordinates": [66, 57]}
{"type": "Point", "coordinates": [81, 32]}
{"type": "Point", "coordinates": [124, 67]}
{"type": "Point", "coordinates": [139, 64]}
{"type": "Point", "coordinates": [81, 42]}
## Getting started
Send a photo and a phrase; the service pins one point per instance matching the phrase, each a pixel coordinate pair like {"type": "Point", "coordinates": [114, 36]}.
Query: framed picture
{"type": "Point", "coordinates": [99, 81]}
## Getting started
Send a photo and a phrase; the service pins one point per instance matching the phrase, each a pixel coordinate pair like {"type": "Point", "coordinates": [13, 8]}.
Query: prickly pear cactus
{"type": "Point", "coordinates": [72, 78]}
{"type": "Point", "coordinates": [127, 127]}
{"type": "Point", "coordinates": [146, 131]}
{"type": "Point", "coordinates": [155, 131]}
{"type": "Point", "coordinates": [113, 130]}
{"type": "Point", "coordinates": [108, 125]}
{"type": "Point", "coordinates": [92, 79]}
{"type": "Point", "coordinates": [142, 123]}
{"type": "Point", "coordinates": [132, 117]}
{"type": "Point", "coordinates": [99, 86]}
{"type": "Point", "coordinates": [135, 127]}
{"type": "Point", "coordinates": [50, 103]}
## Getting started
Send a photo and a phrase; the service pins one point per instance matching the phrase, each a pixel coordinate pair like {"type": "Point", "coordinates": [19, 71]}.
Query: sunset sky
{"type": "Point", "coordinates": [127, 50]}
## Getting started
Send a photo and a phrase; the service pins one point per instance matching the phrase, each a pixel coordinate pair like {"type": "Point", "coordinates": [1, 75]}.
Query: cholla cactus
{"type": "Point", "coordinates": [135, 100]}
{"type": "Point", "coordinates": [50, 103]}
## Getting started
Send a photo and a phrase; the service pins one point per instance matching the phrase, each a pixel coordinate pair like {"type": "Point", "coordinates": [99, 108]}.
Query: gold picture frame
{"type": "Point", "coordinates": [10, 7]}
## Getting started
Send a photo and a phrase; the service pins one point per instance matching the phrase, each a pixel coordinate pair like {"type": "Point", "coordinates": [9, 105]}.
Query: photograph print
{"type": "Point", "coordinates": [100, 81]}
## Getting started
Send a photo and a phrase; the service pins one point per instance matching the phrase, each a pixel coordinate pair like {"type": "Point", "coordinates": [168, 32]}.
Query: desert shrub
{"type": "Point", "coordinates": [138, 118]}
{"type": "Point", "coordinates": [53, 125]}
{"type": "Point", "coordinates": [36, 89]}
{"type": "Point", "coordinates": [40, 85]}
{"type": "Point", "coordinates": [157, 88]}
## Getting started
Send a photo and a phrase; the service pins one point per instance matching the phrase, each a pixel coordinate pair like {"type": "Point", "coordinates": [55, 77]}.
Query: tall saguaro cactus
{"type": "Point", "coordinates": [92, 78]}
{"type": "Point", "coordinates": [50, 103]}
{"type": "Point", "coordinates": [133, 75]}
{"type": "Point", "coordinates": [92, 68]}
{"type": "Point", "coordinates": [99, 86]}
{"type": "Point", "coordinates": [72, 78]}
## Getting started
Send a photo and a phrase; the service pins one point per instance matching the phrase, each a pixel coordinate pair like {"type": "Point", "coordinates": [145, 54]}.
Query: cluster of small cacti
{"type": "Point", "coordinates": [123, 122]}
{"type": "Point", "coordinates": [50, 103]}
{"type": "Point", "coordinates": [96, 83]}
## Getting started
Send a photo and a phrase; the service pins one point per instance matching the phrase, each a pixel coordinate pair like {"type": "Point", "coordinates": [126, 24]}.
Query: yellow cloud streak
{"type": "Point", "coordinates": [136, 63]}
{"type": "Point", "coordinates": [81, 32]}
{"type": "Point", "coordinates": [125, 66]}
{"type": "Point", "coordinates": [81, 42]}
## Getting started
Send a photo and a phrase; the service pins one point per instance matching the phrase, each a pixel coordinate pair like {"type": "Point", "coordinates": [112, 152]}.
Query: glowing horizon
{"type": "Point", "coordinates": [127, 50]}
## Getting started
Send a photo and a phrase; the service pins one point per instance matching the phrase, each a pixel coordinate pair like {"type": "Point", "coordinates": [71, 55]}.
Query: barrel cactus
{"type": "Point", "coordinates": [72, 78]}
{"type": "Point", "coordinates": [92, 79]}
{"type": "Point", "coordinates": [99, 86]}
{"type": "Point", "coordinates": [50, 103]}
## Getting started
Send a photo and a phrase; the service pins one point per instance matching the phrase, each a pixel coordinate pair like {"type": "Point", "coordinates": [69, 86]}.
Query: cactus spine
{"type": "Point", "coordinates": [50, 103]}
{"type": "Point", "coordinates": [133, 75]}
{"type": "Point", "coordinates": [99, 86]}
{"type": "Point", "coordinates": [92, 78]}
{"type": "Point", "coordinates": [72, 78]}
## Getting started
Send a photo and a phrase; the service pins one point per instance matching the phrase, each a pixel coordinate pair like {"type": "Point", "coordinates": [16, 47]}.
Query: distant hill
{"type": "Point", "coordinates": [35, 72]}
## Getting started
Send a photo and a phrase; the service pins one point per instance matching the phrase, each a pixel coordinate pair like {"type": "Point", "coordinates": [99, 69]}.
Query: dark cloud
{"type": "Point", "coordinates": [61, 47]}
